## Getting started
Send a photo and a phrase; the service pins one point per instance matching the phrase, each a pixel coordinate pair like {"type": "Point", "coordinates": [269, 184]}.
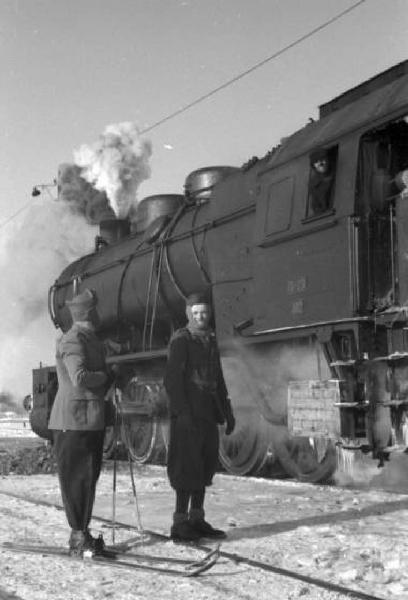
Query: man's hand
{"type": "Point", "coordinates": [114, 369]}
{"type": "Point", "coordinates": [115, 376]}
{"type": "Point", "coordinates": [112, 347]}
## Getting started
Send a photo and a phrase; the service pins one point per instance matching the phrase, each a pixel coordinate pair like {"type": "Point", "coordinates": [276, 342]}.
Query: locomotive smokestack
{"type": "Point", "coordinates": [94, 206]}
{"type": "Point", "coordinates": [111, 231]}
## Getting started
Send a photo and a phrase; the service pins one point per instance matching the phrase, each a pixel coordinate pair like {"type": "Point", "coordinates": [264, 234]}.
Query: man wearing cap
{"type": "Point", "coordinates": [320, 183]}
{"type": "Point", "coordinates": [77, 418]}
{"type": "Point", "coordinates": [198, 402]}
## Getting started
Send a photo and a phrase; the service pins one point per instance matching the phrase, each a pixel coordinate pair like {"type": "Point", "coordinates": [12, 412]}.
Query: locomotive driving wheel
{"type": "Point", "coordinates": [140, 427]}
{"type": "Point", "coordinates": [245, 451]}
{"type": "Point", "coordinates": [307, 459]}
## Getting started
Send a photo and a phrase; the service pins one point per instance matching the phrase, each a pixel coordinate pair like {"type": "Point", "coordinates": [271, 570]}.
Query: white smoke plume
{"type": "Point", "coordinates": [35, 248]}
{"type": "Point", "coordinates": [116, 164]}
{"type": "Point", "coordinates": [359, 470]}
{"type": "Point", "coordinates": [264, 375]}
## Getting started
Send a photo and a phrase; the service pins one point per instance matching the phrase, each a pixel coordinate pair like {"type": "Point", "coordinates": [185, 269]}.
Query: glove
{"type": "Point", "coordinates": [114, 369]}
{"type": "Point", "coordinates": [230, 424]}
{"type": "Point", "coordinates": [116, 376]}
{"type": "Point", "coordinates": [112, 347]}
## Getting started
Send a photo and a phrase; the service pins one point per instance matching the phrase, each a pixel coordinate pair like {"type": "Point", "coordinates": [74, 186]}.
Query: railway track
{"type": "Point", "coordinates": [232, 556]}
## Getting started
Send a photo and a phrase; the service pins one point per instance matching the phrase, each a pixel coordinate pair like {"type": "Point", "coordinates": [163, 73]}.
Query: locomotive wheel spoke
{"type": "Point", "coordinates": [139, 436]}
{"type": "Point", "coordinates": [243, 452]}
{"type": "Point", "coordinates": [140, 414]}
{"type": "Point", "coordinates": [307, 459]}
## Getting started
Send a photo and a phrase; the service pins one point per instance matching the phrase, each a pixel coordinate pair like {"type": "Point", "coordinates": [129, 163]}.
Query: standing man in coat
{"type": "Point", "coordinates": [77, 419]}
{"type": "Point", "coordinates": [198, 402]}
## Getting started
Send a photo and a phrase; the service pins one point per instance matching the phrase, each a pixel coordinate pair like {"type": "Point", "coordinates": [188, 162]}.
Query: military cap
{"type": "Point", "coordinates": [198, 298]}
{"type": "Point", "coordinates": [82, 304]}
{"type": "Point", "coordinates": [318, 154]}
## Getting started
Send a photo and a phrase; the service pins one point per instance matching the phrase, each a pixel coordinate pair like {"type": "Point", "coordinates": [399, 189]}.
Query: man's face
{"type": "Point", "coordinates": [200, 315]}
{"type": "Point", "coordinates": [321, 165]}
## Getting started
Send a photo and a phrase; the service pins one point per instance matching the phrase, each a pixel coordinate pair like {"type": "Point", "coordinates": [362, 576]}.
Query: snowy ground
{"type": "Point", "coordinates": [355, 538]}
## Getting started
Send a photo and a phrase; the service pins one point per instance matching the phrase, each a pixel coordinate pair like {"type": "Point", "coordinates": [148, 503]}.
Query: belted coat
{"type": "Point", "coordinates": [194, 381]}
{"type": "Point", "coordinates": [82, 382]}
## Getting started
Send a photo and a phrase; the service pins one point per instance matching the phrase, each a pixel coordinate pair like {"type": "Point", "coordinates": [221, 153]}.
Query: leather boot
{"type": "Point", "coordinates": [95, 545]}
{"type": "Point", "coordinates": [77, 543]}
{"type": "Point", "coordinates": [182, 530]}
{"type": "Point", "coordinates": [203, 528]}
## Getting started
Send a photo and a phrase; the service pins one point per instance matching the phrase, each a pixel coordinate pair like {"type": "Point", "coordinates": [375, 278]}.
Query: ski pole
{"type": "Point", "coordinates": [115, 452]}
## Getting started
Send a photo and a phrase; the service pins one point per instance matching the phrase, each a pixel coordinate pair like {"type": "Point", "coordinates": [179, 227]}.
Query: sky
{"type": "Point", "coordinates": [69, 68]}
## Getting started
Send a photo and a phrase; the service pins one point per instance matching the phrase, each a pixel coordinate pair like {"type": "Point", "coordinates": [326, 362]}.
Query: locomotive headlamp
{"type": "Point", "coordinates": [37, 189]}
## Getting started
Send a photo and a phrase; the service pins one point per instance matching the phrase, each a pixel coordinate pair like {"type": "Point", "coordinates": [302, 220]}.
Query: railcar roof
{"type": "Point", "coordinates": [372, 109]}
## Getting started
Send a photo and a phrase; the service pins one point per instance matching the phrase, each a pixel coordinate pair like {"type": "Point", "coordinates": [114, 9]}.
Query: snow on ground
{"type": "Point", "coordinates": [354, 538]}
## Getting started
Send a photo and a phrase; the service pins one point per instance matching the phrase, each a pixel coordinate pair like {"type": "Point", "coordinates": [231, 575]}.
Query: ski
{"type": "Point", "coordinates": [114, 559]}
{"type": "Point", "coordinates": [124, 549]}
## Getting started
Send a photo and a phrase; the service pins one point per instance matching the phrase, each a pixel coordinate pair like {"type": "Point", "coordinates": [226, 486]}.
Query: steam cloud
{"type": "Point", "coordinates": [51, 234]}
{"type": "Point", "coordinates": [116, 164]}
{"type": "Point", "coordinates": [34, 252]}
{"type": "Point", "coordinates": [260, 378]}
{"type": "Point", "coordinates": [8, 404]}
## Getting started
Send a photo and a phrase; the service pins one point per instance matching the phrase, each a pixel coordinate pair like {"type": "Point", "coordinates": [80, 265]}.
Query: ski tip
{"type": "Point", "coordinates": [206, 566]}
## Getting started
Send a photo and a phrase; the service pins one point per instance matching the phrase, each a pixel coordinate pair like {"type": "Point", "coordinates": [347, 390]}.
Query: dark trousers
{"type": "Point", "coordinates": [79, 460]}
{"type": "Point", "coordinates": [193, 454]}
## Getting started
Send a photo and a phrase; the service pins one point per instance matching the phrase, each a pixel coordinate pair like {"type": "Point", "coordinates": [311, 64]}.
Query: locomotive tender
{"type": "Point", "coordinates": [310, 306]}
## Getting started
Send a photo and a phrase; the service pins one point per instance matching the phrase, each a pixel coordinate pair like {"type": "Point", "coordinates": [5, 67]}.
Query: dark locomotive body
{"type": "Point", "coordinates": [309, 307]}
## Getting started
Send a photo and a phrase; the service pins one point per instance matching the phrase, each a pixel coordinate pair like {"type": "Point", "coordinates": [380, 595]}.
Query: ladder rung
{"type": "Point", "coordinates": [351, 404]}
{"type": "Point", "coordinates": [394, 356]}
{"type": "Point", "coordinates": [343, 363]}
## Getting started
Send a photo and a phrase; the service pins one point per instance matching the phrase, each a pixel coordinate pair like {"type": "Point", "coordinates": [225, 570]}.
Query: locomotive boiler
{"type": "Point", "coordinates": [310, 298]}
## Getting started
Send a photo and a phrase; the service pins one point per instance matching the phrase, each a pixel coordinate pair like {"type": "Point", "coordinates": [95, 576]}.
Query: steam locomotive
{"type": "Point", "coordinates": [310, 304]}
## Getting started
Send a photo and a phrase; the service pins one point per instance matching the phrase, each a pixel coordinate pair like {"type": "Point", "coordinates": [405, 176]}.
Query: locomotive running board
{"type": "Point", "coordinates": [136, 356]}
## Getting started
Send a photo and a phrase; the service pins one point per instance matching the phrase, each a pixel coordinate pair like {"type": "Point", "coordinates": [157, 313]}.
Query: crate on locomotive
{"type": "Point", "coordinates": [313, 408]}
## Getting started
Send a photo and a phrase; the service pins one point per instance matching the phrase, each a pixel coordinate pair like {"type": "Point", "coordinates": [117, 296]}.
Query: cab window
{"type": "Point", "coordinates": [321, 181]}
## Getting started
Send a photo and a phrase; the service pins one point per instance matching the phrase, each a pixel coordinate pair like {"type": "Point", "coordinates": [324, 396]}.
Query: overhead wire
{"type": "Point", "coordinates": [15, 214]}
{"type": "Point", "coordinates": [20, 210]}
{"type": "Point", "coordinates": [258, 65]}
{"type": "Point", "coordinates": [231, 81]}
